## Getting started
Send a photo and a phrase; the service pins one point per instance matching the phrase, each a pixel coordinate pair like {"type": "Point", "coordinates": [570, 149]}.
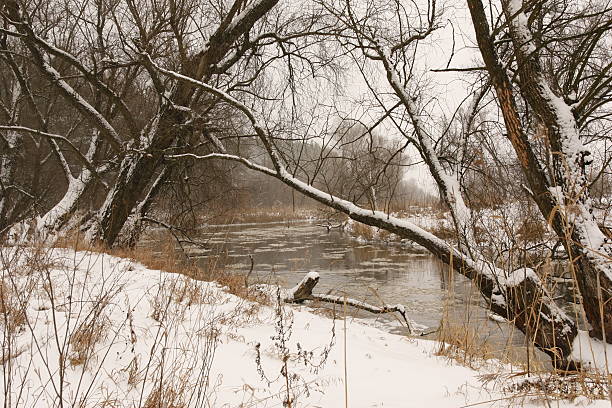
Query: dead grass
{"type": "Point", "coordinates": [363, 231]}
{"type": "Point", "coordinates": [188, 291]}
{"type": "Point", "coordinates": [263, 215]}
{"type": "Point", "coordinates": [167, 257]}
{"type": "Point", "coordinates": [37, 258]}
{"type": "Point", "coordinates": [85, 338]}
{"type": "Point", "coordinates": [458, 342]}
{"type": "Point", "coordinates": [442, 231]}
{"type": "Point", "coordinates": [93, 323]}
{"type": "Point", "coordinates": [180, 291]}
{"type": "Point", "coordinates": [215, 270]}
{"type": "Point", "coordinates": [532, 381]}
{"type": "Point", "coordinates": [464, 345]}
{"type": "Point", "coordinates": [166, 396]}
{"type": "Point", "coordinates": [551, 385]}
{"type": "Point", "coordinates": [11, 310]}
{"type": "Point", "coordinates": [520, 371]}
{"type": "Point", "coordinates": [531, 229]}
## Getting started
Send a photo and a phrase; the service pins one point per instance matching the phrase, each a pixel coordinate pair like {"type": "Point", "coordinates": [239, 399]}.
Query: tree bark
{"type": "Point", "coordinates": [589, 251]}
{"type": "Point", "coordinates": [138, 169]}
{"type": "Point", "coordinates": [130, 233]}
{"type": "Point", "coordinates": [588, 255]}
{"type": "Point", "coordinates": [135, 174]}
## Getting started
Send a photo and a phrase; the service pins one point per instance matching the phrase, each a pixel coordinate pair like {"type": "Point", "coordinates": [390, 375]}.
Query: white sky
{"type": "Point", "coordinates": [444, 93]}
{"type": "Point", "coordinates": [446, 89]}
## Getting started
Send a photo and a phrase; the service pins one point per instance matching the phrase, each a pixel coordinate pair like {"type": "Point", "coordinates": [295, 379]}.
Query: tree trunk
{"type": "Point", "coordinates": [7, 171]}
{"type": "Point", "coordinates": [133, 227]}
{"type": "Point", "coordinates": [588, 247]}
{"type": "Point", "coordinates": [565, 209]}
{"type": "Point", "coordinates": [7, 160]}
{"type": "Point", "coordinates": [138, 169]}
{"type": "Point", "coordinates": [135, 174]}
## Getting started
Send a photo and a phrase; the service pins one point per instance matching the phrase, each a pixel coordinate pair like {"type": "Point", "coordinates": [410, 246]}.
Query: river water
{"type": "Point", "coordinates": [374, 272]}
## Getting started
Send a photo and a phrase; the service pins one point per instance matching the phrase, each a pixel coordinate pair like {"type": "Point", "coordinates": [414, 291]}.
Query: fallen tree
{"type": "Point", "coordinates": [303, 292]}
{"type": "Point", "coordinates": [518, 295]}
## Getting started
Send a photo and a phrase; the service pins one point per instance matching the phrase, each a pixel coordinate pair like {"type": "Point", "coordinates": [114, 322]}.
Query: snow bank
{"type": "Point", "coordinates": [592, 352]}
{"type": "Point", "coordinates": [158, 339]}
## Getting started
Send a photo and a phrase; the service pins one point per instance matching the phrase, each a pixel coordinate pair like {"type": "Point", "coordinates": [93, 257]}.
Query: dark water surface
{"type": "Point", "coordinates": [369, 271]}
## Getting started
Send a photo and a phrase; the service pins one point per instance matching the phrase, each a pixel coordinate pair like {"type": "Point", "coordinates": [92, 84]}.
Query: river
{"type": "Point", "coordinates": [374, 272]}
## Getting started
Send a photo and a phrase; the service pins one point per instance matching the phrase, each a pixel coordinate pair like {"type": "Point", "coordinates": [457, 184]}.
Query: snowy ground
{"type": "Point", "coordinates": [100, 331]}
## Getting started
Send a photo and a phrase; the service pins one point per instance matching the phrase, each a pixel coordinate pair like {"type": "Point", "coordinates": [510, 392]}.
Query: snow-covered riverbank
{"type": "Point", "coordinates": [91, 330]}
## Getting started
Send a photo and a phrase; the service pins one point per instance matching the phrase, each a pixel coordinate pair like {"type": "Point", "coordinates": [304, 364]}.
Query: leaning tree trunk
{"type": "Point", "coordinates": [565, 206]}
{"type": "Point", "coordinates": [137, 171]}
{"type": "Point", "coordinates": [520, 296]}
{"type": "Point", "coordinates": [134, 226]}
{"type": "Point", "coordinates": [588, 247]}
{"type": "Point", "coordinates": [61, 213]}
{"type": "Point", "coordinates": [138, 168]}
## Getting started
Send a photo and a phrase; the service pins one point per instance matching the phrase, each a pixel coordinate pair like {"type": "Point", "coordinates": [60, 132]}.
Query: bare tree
{"type": "Point", "coordinates": [518, 294]}
{"type": "Point", "coordinates": [560, 189]}
{"type": "Point", "coordinates": [94, 57]}
{"type": "Point", "coordinates": [366, 168]}
{"type": "Point", "coordinates": [153, 89]}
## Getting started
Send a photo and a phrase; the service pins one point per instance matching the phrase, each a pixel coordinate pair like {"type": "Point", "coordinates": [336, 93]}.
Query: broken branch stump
{"type": "Point", "coordinates": [303, 291]}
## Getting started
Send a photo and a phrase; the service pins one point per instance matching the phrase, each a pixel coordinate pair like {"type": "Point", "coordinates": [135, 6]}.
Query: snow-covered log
{"type": "Point", "coordinates": [303, 292]}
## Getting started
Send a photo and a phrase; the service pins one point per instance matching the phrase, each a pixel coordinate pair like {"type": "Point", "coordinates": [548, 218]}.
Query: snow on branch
{"type": "Point", "coordinates": [224, 156]}
{"type": "Point", "coordinates": [303, 292]}
{"type": "Point", "coordinates": [125, 111]}
{"type": "Point", "coordinates": [54, 77]}
{"type": "Point", "coordinates": [572, 195]}
{"type": "Point", "coordinates": [448, 183]}
{"type": "Point", "coordinates": [78, 101]}
{"type": "Point", "coordinates": [53, 136]}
